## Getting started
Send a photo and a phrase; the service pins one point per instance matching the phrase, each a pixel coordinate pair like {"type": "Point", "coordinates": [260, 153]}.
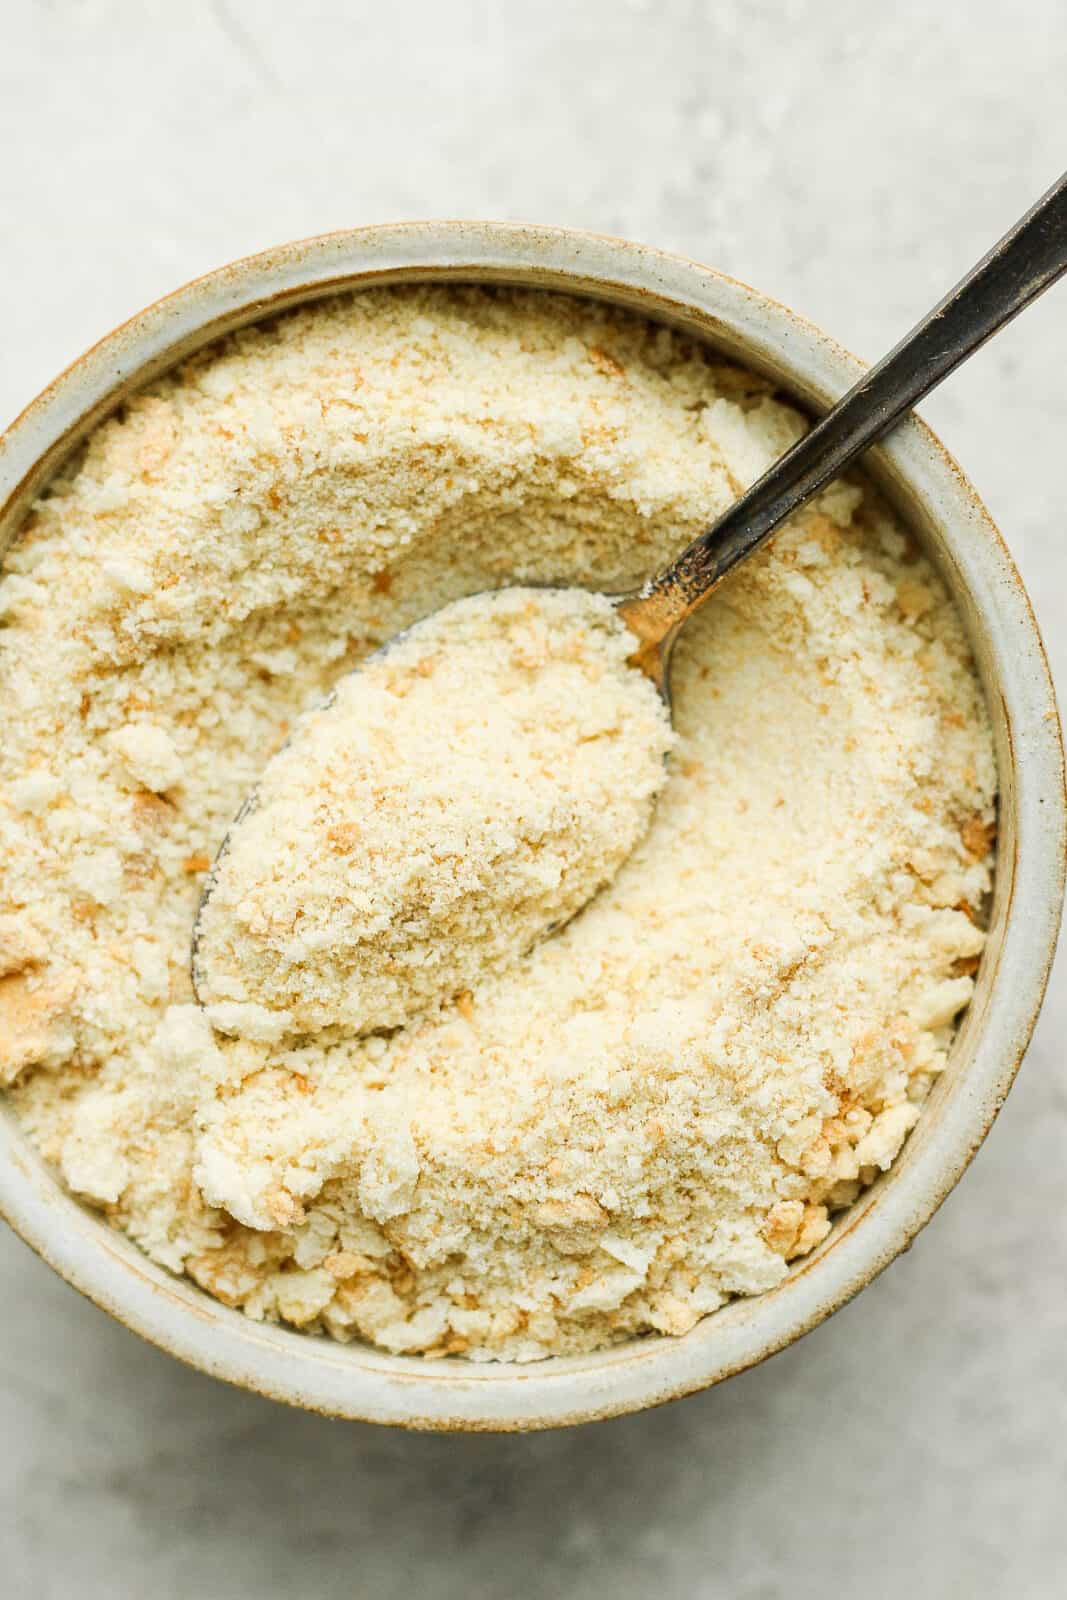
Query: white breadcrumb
{"type": "Point", "coordinates": [147, 755]}
{"type": "Point", "coordinates": [462, 794]}
{"type": "Point", "coordinates": [654, 1109]}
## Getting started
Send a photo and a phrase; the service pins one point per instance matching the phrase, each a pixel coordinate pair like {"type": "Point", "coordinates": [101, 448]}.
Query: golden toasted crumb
{"type": "Point", "coordinates": [978, 836]}
{"type": "Point", "coordinates": [346, 1264]}
{"type": "Point", "coordinates": [914, 599]}
{"type": "Point", "coordinates": [33, 1009]}
{"type": "Point", "coordinates": [606, 363]}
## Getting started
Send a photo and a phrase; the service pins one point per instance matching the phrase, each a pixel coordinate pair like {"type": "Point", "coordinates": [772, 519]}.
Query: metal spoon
{"type": "Point", "coordinates": [1026, 261]}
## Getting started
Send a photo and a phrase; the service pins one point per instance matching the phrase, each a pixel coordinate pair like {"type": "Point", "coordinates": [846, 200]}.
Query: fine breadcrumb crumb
{"type": "Point", "coordinates": [656, 1108]}
{"type": "Point", "coordinates": [460, 796]}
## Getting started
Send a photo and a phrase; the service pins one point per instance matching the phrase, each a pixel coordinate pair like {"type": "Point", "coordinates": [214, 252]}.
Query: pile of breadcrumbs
{"type": "Point", "coordinates": [458, 797]}
{"type": "Point", "coordinates": [656, 1108]}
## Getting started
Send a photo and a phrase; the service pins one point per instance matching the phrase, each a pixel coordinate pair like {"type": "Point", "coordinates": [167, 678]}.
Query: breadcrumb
{"type": "Point", "coordinates": [654, 1109]}
{"type": "Point", "coordinates": [460, 796]}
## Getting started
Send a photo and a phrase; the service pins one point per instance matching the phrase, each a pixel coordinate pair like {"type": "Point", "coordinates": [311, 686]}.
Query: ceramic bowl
{"type": "Point", "coordinates": [931, 492]}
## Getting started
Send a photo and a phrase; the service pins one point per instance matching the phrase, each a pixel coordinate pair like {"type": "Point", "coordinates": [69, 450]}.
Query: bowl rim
{"type": "Point", "coordinates": [354, 1381]}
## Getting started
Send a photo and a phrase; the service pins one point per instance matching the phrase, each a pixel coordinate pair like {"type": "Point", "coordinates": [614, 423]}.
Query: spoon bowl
{"type": "Point", "coordinates": [456, 798]}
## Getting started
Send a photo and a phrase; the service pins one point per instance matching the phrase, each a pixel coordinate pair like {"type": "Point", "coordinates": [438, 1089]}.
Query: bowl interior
{"type": "Point", "coordinates": [927, 489]}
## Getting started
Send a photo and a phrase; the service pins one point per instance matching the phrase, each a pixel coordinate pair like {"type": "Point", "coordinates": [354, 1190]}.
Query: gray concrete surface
{"type": "Point", "coordinates": [851, 159]}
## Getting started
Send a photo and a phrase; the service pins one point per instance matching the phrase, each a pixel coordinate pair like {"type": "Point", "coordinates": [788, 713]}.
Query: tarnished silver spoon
{"type": "Point", "coordinates": [1025, 262]}
{"type": "Point", "coordinates": [1028, 260]}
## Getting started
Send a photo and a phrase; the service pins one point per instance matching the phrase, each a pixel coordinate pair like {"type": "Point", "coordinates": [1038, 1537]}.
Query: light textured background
{"type": "Point", "coordinates": [852, 160]}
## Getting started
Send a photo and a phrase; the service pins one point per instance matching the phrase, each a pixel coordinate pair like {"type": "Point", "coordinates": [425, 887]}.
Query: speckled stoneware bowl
{"type": "Point", "coordinates": [928, 488]}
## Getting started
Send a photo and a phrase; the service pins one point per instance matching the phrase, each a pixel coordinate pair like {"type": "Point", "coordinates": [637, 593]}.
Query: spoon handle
{"type": "Point", "coordinates": [1030, 257]}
